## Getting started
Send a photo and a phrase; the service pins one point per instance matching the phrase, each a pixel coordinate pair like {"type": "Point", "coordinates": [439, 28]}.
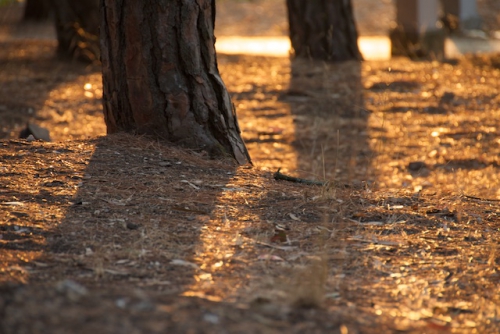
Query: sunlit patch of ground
{"type": "Point", "coordinates": [372, 48]}
{"type": "Point", "coordinates": [435, 127]}
{"type": "Point", "coordinates": [226, 254]}
{"type": "Point", "coordinates": [135, 234]}
{"type": "Point", "coordinates": [124, 234]}
{"type": "Point", "coordinates": [34, 199]}
{"type": "Point", "coordinates": [64, 97]}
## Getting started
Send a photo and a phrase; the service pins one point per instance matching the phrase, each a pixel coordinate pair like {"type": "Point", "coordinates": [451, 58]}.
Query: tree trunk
{"type": "Point", "coordinates": [160, 75]}
{"type": "Point", "coordinates": [77, 27]}
{"type": "Point", "coordinates": [323, 30]}
{"type": "Point", "coordinates": [37, 10]}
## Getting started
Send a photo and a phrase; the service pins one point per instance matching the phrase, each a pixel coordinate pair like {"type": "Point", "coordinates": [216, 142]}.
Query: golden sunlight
{"type": "Point", "coordinates": [372, 48]}
{"type": "Point", "coordinates": [34, 210]}
{"type": "Point", "coordinates": [223, 244]}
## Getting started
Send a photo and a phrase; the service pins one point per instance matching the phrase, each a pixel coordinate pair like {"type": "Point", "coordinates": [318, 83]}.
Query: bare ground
{"type": "Point", "coordinates": [121, 234]}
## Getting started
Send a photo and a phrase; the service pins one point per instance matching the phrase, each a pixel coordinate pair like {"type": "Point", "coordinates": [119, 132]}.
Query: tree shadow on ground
{"type": "Point", "coordinates": [123, 235]}
{"type": "Point", "coordinates": [305, 118]}
{"type": "Point", "coordinates": [158, 233]}
{"type": "Point", "coordinates": [141, 236]}
{"type": "Point", "coordinates": [326, 101]}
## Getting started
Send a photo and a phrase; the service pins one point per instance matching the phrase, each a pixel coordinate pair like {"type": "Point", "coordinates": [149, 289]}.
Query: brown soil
{"type": "Point", "coordinates": [121, 234]}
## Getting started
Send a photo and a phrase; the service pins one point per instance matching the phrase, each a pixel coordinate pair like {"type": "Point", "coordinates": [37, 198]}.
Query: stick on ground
{"type": "Point", "coordinates": [280, 176]}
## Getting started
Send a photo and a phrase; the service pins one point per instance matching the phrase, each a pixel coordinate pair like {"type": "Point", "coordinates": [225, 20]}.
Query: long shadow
{"type": "Point", "coordinates": [137, 232]}
{"type": "Point", "coordinates": [132, 240]}
{"type": "Point", "coordinates": [309, 120]}
{"type": "Point", "coordinates": [120, 213]}
{"type": "Point", "coordinates": [333, 141]}
{"type": "Point", "coordinates": [139, 218]}
{"type": "Point", "coordinates": [330, 119]}
{"type": "Point", "coordinates": [135, 239]}
{"type": "Point", "coordinates": [124, 234]}
{"type": "Point", "coordinates": [80, 215]}
{"type": "Point", "coordinates": [28, 190]}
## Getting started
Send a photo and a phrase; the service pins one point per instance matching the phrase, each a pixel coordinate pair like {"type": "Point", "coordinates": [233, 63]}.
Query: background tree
{"type": "Point", "coordinates": [37, 10]}
{"type": "Point", "coordinates": [77, 27]}
{"type": "Point", "coordinates": [323, 29]}
{"type": "Point", "coordinates": [160, 75]}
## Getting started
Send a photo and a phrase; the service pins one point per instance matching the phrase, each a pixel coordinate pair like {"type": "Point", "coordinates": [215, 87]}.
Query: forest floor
{"type": "Point", "coordinates": [121, 234]}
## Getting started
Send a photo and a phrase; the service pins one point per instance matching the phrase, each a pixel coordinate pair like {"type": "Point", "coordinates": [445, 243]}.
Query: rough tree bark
{"type": "Point", "coordinates": [37, 10]}
{"type": "Point", "coordinates": [323, 30]}
{"type": "Point", "coordinates": [77, 27]}
{"type": "Point", "coordinates": [160, 75]}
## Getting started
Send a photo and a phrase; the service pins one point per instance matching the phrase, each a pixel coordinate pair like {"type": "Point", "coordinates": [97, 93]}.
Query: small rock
{"type": "Point", "coordinates": [211, 318]}
{"type": "Point", "coordinates": [415, 166]}
{"type": "Point", "coordinates": [71, 289]}
{"type": "Point", "coordinates": [121, 302]}
{"type": "Point", "coordinates": [446, 98]}
{"type": "Point", "coordinates": [132, 226]}
{"type": "Point", "coordinates": [144, 306]}
{"type": "Point", "coordinates": [35, 131]}
{"type": "Point", "coordinates": [30, 138]}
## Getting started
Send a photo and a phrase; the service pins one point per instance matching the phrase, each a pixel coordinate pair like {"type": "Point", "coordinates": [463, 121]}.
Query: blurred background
{"type": "Point", "coordinates": [20, 19]}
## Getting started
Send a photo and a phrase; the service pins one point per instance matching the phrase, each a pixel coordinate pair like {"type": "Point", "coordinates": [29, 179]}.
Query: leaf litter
{"type": "Point", "coordinates": [380, 248]}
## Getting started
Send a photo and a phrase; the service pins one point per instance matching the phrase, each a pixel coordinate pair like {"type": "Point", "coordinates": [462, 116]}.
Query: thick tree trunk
{"type": "Point", "coordinates": [37, 10]}
{"type": "Point", "coordinates": [160, 75]}
{"type": "Point", "coordinates": [323, 30]}
{"type": "Point", "coordinates": [77, 27]}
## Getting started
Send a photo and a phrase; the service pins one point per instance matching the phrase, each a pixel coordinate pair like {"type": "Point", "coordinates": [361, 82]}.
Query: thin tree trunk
{"type": "Point", "coordinates": [160, 75]}
{"type": "Point", "coordinates": [37, 10]}
{"type": "Point", "coordinates": [77, 27]}
{"type": "Point", "coordinates": [323, 30]}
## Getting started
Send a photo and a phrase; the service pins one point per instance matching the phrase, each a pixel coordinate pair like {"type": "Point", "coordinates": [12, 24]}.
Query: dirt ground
{"type": "Point", "coordinates": [121, 234]}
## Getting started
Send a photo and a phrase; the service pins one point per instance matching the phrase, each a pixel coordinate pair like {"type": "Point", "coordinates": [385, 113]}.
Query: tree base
{"type": "Point", "coordinates": [418, 45]}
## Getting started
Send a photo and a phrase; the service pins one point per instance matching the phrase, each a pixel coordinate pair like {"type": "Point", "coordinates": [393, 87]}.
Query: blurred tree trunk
{"type": "Point", "coordinates": [37, 10]}
{"type": "Point", "coordinates": [323, 29]}
{"type": "Point", "coordinates": [160, 75]}
{"type": "Point", "coordinates": [77, 27]}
